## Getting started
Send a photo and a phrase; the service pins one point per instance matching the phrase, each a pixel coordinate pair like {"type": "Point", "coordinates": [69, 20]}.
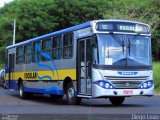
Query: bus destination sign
{"type": "Point", "coordinates": [122, 27]}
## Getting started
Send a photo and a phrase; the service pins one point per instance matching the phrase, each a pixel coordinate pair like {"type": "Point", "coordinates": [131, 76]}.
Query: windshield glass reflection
{"type": "Point", "coordinates": [124, 50]}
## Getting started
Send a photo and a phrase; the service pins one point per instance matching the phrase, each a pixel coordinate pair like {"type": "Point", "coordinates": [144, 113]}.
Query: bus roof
{"type": "Point", "coordinates": [121, 20]}
{"type": "Point", "coordinates": [70, 29]}
{"type": "Point", "coordinates": [63, 31]}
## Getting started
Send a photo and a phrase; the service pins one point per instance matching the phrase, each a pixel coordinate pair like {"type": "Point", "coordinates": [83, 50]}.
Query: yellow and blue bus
{"type": "Point", "coordinates": [97, 59]}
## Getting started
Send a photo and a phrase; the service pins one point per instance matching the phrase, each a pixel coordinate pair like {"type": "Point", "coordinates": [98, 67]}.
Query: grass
{"type": "Point", "coordinates": [1, 66]}
{"type": "Point", "coordinates": [156, 72]}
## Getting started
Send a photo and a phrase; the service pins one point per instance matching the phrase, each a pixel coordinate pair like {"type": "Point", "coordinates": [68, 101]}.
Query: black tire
{"type": "Point", "coordinates": [3, 84]}
{"type": "Point", "coordinates": [116, 100]}
{"type": "Point", "coordinates": [29, 94]}
{"type": "Point", "coordinates": [22, 94]}
{"type": "Point", "coordinates": [56, 97]}
{"type": "Point", "coordinates": [70, 95]}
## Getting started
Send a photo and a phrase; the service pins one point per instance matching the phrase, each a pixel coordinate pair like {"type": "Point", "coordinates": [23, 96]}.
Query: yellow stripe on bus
{"type": "Point", "coordinates": [30, 75]}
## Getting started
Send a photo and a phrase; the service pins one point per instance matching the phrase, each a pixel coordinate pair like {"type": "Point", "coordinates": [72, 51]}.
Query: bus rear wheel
{"type": "Point", "coordinates": [70, 95]}
{"type": "Point", "coordinates": [116, 100]}
{"type": "Point", "coordinates": [22, 94]}
{"type": "Point", "coordinates": [4, 84]}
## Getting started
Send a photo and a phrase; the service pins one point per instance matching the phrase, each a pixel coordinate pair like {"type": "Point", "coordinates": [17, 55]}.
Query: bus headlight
{"type": "Point", "coordinates": [147, 84]}
{"type": "Point", "coordinates": [107, 85]}
{"type": "Point", "coordinates": [104, 84]}
{"type": "Point", "coordinates": [101, 84]}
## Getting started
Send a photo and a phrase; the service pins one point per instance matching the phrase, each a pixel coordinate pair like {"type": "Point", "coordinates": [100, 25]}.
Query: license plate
{"type": "Point", "coordinates": [127, 92]}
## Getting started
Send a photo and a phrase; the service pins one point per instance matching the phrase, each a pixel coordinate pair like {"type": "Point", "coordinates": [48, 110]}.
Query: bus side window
{"type": "Point", "coordinates": [19, 55]}
{"type": "Point", "coordinates": [68, 46]}
{"type": "Point", "coordinates": [36, 56]}
{"type": "Point", "coordinates": [57, 47]}
{"type": "Point", "coordinates": [28, 53]}
{"type": "Point", "coordinates": [46, 48]}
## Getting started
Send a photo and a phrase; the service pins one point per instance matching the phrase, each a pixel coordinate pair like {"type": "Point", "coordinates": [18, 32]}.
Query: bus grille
{"type": "Point", "coordinates": [126, 82]}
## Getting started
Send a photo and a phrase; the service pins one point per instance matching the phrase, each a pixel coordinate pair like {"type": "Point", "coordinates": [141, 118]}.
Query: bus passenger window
{"type": "Point", "coordinates": [36, 56]}
{"type": "Point", "coordinates": [68, 46]}
{"type": "Point", "coordinates": [28, 54]}
{"type": "Point", "coordinates": [20, 55]}
{"type": "Point", "coordinates": [57, 47]}
{"type": "Point", "coordinates": [46, 47]}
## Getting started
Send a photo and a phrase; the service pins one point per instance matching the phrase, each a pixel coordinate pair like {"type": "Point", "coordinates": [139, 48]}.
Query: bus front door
{"type": "Point", "coordinates": [84, 67]}
{"type": "Point", "coordinates": [11, 70]}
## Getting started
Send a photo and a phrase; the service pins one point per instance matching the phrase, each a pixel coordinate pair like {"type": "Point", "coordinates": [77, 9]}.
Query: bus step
{"type": "Point", "coordinates": [85, 96]}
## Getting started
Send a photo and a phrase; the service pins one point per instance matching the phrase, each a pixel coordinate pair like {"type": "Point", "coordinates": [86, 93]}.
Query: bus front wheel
{"type": "Point", "coordinates": [116, 100]}
{"type": "Point", "coordinates": [70, 95]}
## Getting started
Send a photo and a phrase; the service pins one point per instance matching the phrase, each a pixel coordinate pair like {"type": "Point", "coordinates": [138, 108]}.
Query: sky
{"type": "Point", "coordinates": [4, 1]}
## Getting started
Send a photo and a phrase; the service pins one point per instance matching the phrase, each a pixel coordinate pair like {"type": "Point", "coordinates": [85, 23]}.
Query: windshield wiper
{"type": "Point", "coordinates": [129, 47]}
{"type": "Point", "coordinates": [132, 43]}
{"type": "Point", "coordinates": [135, 38]}
{"type": "Point", "coordinates": [117, 40]}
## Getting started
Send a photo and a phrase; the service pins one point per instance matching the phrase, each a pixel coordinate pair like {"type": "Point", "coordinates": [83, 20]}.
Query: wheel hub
{"type": "Point", "coordinates": [70, 93]}
{"type": "Point", "coordinates": [20, 91]}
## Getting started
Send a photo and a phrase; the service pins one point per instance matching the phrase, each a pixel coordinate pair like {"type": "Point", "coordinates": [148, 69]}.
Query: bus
{"type": "Point", "coordinates": [96, 59]}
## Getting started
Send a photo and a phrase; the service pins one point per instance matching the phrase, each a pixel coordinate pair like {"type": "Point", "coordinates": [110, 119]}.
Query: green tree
{"type": "Point", "coordinates": [38, 17]}
{"type": "Point", "coordinates": [143, 11]}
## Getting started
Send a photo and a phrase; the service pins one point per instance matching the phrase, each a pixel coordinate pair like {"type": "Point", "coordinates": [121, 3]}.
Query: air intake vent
{"type": "Point", "coordinates": [126, 78]}
{"type": "Point", "coordinates": [126, 82]}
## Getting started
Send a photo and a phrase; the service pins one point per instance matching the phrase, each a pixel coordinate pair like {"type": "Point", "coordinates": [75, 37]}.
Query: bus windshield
{"type": "Point", "coordinates": [124, 50]}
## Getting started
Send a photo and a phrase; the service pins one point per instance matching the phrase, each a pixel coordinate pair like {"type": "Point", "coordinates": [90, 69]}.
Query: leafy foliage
{"type": "Point", "coordinates": [38, 17]}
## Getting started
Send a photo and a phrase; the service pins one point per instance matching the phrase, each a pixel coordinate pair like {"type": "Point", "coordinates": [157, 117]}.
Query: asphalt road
{"type": "Point", "coordinates": [43, 105]}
